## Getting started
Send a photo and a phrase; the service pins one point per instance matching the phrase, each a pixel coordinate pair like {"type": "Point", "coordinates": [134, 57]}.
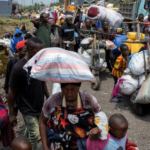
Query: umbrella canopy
{"type": "Point", "coordinates": [58, 66]}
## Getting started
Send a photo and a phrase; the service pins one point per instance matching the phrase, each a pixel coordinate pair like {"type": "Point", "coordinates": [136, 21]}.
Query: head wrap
{"type": "Point", "coordinates": [51, 22]}
{"type": "Point", "coordinates": [68, 17]}
{"type": "Point", "coordinates": [21, 44]}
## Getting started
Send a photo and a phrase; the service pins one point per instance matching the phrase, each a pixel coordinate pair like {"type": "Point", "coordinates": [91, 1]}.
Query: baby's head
{"type": "Point", "coordinates": [118, 125]}
{"type": "Point", "coordinates": [21, 143]}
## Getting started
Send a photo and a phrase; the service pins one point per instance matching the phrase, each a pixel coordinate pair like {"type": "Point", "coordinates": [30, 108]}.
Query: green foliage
{"type": "Point", "coordinates": [37, 6]}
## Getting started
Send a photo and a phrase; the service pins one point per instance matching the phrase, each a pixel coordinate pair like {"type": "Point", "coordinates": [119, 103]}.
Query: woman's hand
{"type": "Point", "coordinates": [94, 134]}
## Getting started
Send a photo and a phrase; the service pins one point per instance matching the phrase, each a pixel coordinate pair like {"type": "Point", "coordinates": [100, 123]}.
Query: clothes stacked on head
{"type": "Point", "coordinates": [103, 14]}
{"type": "Point", "coordinates": [58, 66]}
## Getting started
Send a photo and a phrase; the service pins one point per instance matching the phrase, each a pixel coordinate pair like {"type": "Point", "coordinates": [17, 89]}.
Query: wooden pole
{"type": "Point", "coordinates": [97, 32]}
{"type": "Point", "coordinates": [138, 31]}
{"type": "Point", "coordinates": [65, 5]}
{"type": "Point", "coordinates": [148, 49]}
{"type": "Point", "coordinates": [132, 41]}
{"type": "Point", "coordinates": [136, 23]}
{"type": "Point", "coordinates": [95, 50]}
{"type": "Point", "coordinates": [68, 5]}
{"type": "Point", "coordinates": [145, 65]}
{"type": "Point", "coordinates": [74, 14]}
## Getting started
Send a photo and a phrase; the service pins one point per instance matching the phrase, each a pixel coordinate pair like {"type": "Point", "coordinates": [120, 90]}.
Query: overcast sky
{"type": "Point", "coordinates": [29, 2]}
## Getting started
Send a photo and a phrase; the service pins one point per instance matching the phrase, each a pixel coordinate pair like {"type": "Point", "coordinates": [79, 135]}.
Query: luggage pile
{"type": "Point", "coordinates": [135, 81]}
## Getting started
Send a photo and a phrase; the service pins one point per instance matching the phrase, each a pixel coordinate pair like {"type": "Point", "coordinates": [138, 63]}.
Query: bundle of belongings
{"type": "Point", "coordinates": [103, 14]}
{"type": "Point", "coordinates": [58, 66]}
{"type": "Point", "coordinates": [134, 81]}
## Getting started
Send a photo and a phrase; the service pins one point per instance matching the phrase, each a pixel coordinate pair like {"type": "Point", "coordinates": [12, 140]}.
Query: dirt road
{"type": "Point", "coordinates": [138, 131]}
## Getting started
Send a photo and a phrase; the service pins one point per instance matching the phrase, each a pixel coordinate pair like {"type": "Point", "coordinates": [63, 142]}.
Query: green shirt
{"type": "Point", "coordinates": [44, 32]}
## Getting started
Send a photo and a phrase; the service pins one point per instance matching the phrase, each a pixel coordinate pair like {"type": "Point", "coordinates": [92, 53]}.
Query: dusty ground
{"type": "Point", "coordinates": [138, 131]}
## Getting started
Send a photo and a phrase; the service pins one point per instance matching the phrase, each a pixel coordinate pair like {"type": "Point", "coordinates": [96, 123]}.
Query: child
{"type": "Point", "coordinates": [117, 137]}
{"type": "Point", "coordinates": [21, 143]}
{"type": "Point", "coordinates": [120, 66]}
{"type": "Point", "coordinates": [16, 38]}
{"type": "Point", "coordinates": [142, 26]}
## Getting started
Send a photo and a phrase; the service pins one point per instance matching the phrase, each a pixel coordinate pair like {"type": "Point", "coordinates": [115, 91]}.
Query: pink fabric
{"type": "Point", "coordinates": [98, 144]}
{"type": "Point", "coordinates": [55, 15]}
{"type": "Point", "coordinates": [116, 89]}
{"type": "Point", "coordinates": [51, 21]}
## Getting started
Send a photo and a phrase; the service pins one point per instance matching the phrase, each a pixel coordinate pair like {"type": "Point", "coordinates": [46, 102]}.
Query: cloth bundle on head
{"type": "Point", "coordinates": [58, 66]}
{"type": "Point", "coordinates": [51, 22]}
{"type": "Point", "coordinates": [103, 14]}
{"type": "Point", "coordinates": [21, 44]}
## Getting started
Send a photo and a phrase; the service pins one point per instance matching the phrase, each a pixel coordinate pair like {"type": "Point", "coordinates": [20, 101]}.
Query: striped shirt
{"type": "Point", "coordinates": [120, 63]}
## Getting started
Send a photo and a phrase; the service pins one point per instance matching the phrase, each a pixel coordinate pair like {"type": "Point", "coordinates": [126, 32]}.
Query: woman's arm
{"type": "Point", "coordinates": [43, 131]}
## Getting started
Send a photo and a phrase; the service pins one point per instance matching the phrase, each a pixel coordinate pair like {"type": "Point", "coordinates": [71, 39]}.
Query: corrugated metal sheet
{"type": "Point", "coordinates": [5, 8]}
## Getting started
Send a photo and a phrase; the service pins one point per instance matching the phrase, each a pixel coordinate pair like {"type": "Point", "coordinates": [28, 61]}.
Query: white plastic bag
{"type": "Point", "coordinates": [101, 62]}
{"type": "Point", "coordinates": [110, 45]}
{"type": "Point", "coordinates": [136, 64]}
{"type": "Point", "coordinates": [101, 13]}
{"type": "Point", "coordinates": [102, 122]}
{"type": "Point", "coordinates": [86, 57]}
{"type": "Point", "coordinates": [129, 85]}
{"type": "Point", "coordinates": [7, 42]}
{"type": "Point", "coordinates": [86, 41]}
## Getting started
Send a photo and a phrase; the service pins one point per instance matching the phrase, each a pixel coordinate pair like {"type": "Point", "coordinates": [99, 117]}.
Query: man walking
{"type": "Point", "coordinates": [30, 97]}
{"type": "Point", "coordinates": [43, 29]}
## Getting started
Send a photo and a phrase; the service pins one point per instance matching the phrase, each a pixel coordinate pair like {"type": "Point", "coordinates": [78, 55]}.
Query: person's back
{"type": "Point", "coordinates": [16, 38]}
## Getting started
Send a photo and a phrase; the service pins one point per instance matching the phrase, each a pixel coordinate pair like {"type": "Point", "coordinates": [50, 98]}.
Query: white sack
{"type": "Point", "coordinates": [87, 58]}
{"type": "Point", "coordinates": [129, 85]}
{"type": "Point", "coordinates": [114, 18]}
{"type": "Point", "coordinates": [136, 64]}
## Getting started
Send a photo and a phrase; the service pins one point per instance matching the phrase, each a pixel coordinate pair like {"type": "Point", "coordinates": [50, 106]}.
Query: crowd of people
{"type": "Point", "coordinates": [48, 120]}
